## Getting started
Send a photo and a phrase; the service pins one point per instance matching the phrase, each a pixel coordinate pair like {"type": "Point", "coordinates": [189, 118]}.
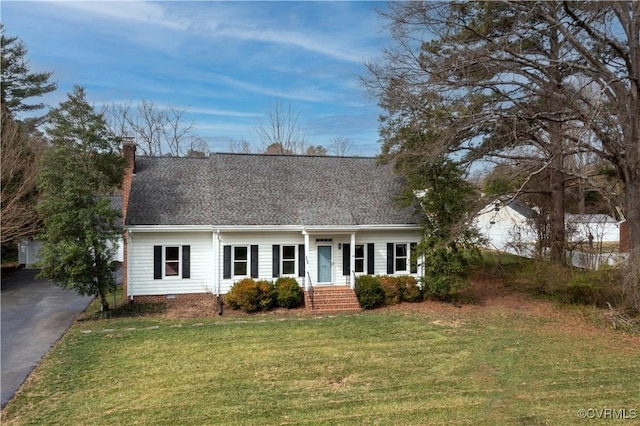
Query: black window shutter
{"type": "Point", "coordinates": [301, 260]}
{"type": "Point", "coordinates": [186, 261]}
{"type": "Point", "coordinates": [157, 262]}
{"type": "Point", "coordinates": [346, 259]}
{"type": "Point", "coordinates": [370, 259]}
{"type": "Point", "coordinates": [414, 260]}
{"type": "Point", "coordinates": [226, 262]}
{"type": "Point", "coordinates": [389, 258]}
{"type": "Point", "coordinates": [254, 261]}
{"type": "Point", "coordinates": [276, 261]}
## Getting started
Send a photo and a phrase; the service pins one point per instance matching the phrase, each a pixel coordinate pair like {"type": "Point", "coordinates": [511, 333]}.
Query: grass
{"type": "Point", "coordinates": [392, 366]}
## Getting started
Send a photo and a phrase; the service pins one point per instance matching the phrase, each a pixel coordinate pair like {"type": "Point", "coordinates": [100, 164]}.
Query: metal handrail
{"type": "Point", "coordinates": [310, 289]}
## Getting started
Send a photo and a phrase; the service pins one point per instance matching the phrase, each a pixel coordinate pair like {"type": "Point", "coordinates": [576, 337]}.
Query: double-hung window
{"type": "Point", "coordinates": [171, 261]}
{"type": "Point", "coordinates": [402, 258]}
{"type": "Point", "coordinates": [240, 261]}
{"type": "Point", "coordinates": [289, 260]}
{"type": "Point", "coordinates": [359, 258]}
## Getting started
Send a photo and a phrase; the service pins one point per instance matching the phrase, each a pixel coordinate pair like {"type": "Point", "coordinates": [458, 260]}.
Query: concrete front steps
{"type": "Point", "coordinates": [332, 300]}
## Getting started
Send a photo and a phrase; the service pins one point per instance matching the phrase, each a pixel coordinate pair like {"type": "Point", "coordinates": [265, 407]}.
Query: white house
{"type": "Point", "coordinates": [592, 228]}
{"type": "Point", "coordinates": [508, 226]}
{"type": "Point", "coordinates": [195, 226]}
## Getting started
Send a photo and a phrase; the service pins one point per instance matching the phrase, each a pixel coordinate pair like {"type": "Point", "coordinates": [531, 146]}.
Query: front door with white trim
{"type": "Point", "coordinates": [325, 275]}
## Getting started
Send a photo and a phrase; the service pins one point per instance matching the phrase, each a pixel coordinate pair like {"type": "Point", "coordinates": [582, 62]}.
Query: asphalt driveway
{"type": "Point", "coordinates": [35, 314]}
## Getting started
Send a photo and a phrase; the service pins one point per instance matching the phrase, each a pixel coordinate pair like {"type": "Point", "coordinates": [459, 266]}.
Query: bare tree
{"type": "Point", "coordinates": [240, 146]}
{"type": "Point", "coordinates": [316, 150]}
{"type": "Point", "coordinates": [157, 131]}
{"type": "Point", "coordinates": [21, 153]}
{"type": "Point", "coordinates": [280, 131]}
{"type": "Point", "coordinates": [341, 146]}
{"type": "Point", "coordinates": [508, 80]}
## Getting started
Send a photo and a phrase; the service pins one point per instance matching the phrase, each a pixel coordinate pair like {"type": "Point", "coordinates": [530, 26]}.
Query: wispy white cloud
{"type": "Point", "coordinates": [137, 12]}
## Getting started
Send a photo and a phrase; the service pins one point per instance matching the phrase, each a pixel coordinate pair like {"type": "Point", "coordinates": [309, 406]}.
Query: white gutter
{"type": "Point", "coordinates": [269, 228]}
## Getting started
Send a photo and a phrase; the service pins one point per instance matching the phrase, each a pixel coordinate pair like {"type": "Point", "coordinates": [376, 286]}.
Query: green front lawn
{"type": "Point", "coordinates": [474, 365]}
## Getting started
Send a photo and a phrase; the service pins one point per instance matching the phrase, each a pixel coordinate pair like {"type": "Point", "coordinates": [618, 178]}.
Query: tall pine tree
{"type": "Point", "coordinates": [81, 229]}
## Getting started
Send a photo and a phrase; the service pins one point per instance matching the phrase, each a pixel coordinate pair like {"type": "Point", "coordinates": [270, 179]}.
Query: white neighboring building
{"type": "Point", "coordinates": [601, 228]}
{"type": "Point", "coordinates": [508, 226]}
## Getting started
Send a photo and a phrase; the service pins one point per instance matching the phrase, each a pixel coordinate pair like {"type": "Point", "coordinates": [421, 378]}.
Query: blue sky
{"type": "Point", "coordinates": [225, 62]}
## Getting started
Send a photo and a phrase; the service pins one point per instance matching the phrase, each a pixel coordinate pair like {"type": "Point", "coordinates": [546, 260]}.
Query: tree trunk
{"type": "Point", "coordinates": [632, 279]}
{"type": "Point", "coordinates": [103, 301]}
{"type": "Point", "coordinates": [556, 216]}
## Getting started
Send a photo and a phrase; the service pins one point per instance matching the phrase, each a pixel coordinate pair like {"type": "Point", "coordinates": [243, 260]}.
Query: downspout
{"type": "Point", "coordinates": [306, 259]}
{"type": "Point", "coordinates": [129, 282]}
{"type": "Point", "coordinates": [216, 272]}
{"type": "Point", "coordinates": [352, 262]}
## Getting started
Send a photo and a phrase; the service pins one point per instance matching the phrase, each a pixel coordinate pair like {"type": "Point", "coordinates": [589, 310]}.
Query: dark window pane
{"type": "Point", "coordinates": [240, 253]}
{"type": "Point", "coordinates": [359, 251]}
{"type": "Point", "coordinates": [288, 267]}
{"type": "Point", "coordinates": [172, 253]}
{"type": "Point", "coordinates": [401, 264]}
{"type": "Point", "coordinates": [240, 268]}
{"type": "Point", "coordinates": [359, 265]}
{"type": "Point", "coordinates": [288, 252]}
{"type": "Point", "coordinates": [171, 269]}
{"type": "Point", "coordinates": [401, 250]}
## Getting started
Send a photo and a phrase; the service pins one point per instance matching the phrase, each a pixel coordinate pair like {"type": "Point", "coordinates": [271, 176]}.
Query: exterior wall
{"type": "Point", "coordinates": [265, 242]}
{"type": "Point", "coordinates": [140, 280]}
{"type": "Point", "coordinates": [505, 229]}
{"type": "Point", "coordinates": [28, 252]}
{"type": "Point", "coordinates": [207, 258]}
{"type": "Point", "coordinates": [607, 232]}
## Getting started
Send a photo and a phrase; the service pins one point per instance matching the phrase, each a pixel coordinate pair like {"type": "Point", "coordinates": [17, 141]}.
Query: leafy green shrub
{"type": "Point", "coordinates": [251, 296]}
{"type": "Point", "coordinates": [411, 291]}
{"type": "Point", "coordinates": [571, 285]}
{"type": "Point", "coordinates": [594, 288]}
{"type": "Point", "coordinates": [397, 289]}
{"type": "Point", "coordinates": [392, 289]}
{"type": "Point", "coordinates": [446, 272]}
{"type": "Point", "coordinates": [289, 293]}
{"type": "Point", "coordinates": [369, 292]}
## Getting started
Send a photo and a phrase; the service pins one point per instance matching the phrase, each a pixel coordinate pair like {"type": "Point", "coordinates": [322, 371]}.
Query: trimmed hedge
{"type": "Point", "coordinates": [289, 293]}
{"type": "Point", "coordinates": [373, 291]}
{"type": "Point", "coordinates": [251, 296]}
{"type": "Point", "coordinates": [369, 292]}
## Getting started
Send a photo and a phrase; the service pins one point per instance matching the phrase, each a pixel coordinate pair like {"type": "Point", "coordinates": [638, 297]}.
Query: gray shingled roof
{"type": "Point", "coordinates": [245, 189]}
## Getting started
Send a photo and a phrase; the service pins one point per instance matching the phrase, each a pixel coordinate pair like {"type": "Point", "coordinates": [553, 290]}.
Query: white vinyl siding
{"type": "Point", "coordinates": [207, 257]}
{"type": "Point", "coordinates": [140, 257]}
{"type": "Point", "coordinates": [265, 242]}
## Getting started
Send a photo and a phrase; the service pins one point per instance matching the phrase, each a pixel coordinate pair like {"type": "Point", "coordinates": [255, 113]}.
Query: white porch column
{"type": "Point", "coordinates": [352, 256]}
{"type": "Point", "coordinates": [306, 259]}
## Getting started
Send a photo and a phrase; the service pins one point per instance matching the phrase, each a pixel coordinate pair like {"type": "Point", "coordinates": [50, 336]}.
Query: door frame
{"type": "Point", "coordinates": [331, 271]}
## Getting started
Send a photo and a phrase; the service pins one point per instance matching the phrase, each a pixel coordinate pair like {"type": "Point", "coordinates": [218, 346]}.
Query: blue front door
{"type": "Point", "coordinates": [324, 264]}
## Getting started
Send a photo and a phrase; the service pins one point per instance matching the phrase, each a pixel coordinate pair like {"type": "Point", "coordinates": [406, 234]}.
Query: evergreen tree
{"type": "Point", "coordinates": [18, 83]}
{"type": "Point", "coordinates": [81, 229]}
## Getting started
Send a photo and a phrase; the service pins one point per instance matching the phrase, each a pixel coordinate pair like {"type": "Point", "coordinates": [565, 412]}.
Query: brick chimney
{"type": "Point", "coordinates": [129, 153]}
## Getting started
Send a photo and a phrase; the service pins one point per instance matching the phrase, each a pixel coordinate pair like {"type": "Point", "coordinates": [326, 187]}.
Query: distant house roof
{"type": "Point", "coordinates": [249, 189]}
{"type": "Point", "coordinates": [590, 218]}
{"type": "Point", "coordinates": [522, 208]}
